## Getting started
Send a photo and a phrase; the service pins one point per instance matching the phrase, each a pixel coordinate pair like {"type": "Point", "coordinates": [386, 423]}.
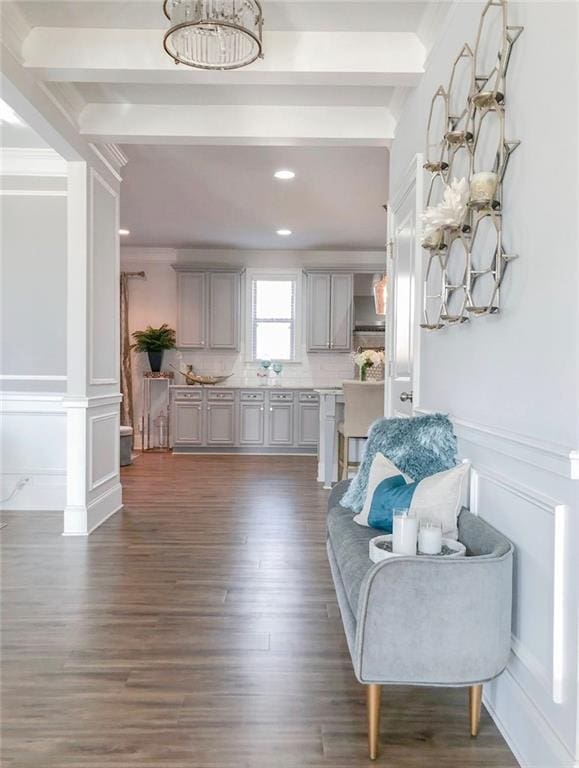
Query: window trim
{"type": "Point", "coordinates": [253, 275]}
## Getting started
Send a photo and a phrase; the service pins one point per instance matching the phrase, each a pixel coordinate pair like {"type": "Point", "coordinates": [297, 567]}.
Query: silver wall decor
{"type": "Point", "coordinates": [465, 138]}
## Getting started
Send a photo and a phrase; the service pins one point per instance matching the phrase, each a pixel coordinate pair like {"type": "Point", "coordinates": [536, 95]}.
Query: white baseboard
{"type": "Point", "coordinates": [82, 521]}
{"type": "Point", "coordinates": [536, 744]}
{"type": "Point", "coordinates": [45, 490]}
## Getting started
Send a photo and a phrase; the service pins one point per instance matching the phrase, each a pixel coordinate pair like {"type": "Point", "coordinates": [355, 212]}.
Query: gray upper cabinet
{"type": "Point", "coordinates": [341, 307]}
{"type": "Point", "coordinates": [224, 310]}
{"type": "Point", "coordinates": [330, 298]}
{"type": "Point", "coordinates": [191, 309]}
{"type": "Point", "coordinates": [208, 308]}
{"type": "Point", "coordinates": [318, 311]}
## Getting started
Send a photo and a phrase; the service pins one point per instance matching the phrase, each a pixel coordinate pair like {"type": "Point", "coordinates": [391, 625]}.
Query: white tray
{"type": "Point", "coordinates": [377, 553]}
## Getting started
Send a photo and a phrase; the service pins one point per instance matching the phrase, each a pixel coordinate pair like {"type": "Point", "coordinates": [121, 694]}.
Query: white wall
{"type": "Point", "coordinates": [510, 381]}
{"type": "Point", "coordinates": [33, 341]}
{"type": "Point", "coordinates": [153, 301]}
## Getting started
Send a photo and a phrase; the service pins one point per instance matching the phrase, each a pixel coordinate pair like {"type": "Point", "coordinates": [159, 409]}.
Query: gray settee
{"type": "Point", "coordinates": [422, 620]}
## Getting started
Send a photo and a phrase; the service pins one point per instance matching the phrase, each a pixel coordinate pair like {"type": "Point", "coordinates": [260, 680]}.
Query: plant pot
{"type": "Point", "coordinates": [155, 359]}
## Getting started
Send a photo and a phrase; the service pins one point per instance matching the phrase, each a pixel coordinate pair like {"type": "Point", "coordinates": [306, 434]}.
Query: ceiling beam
{"type": "Point", "coordinates": [237, 124]}
{"type": "Point", "coordinates": [301, 58]}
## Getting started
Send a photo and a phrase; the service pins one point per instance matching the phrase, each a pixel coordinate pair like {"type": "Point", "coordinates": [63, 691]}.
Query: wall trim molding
{"type": "Point", "coordinates": [558, 459]}
{"type": "Point", "coordinates": [95, 401]}
{"type": "Point", "coordinates": [25, 402]}
{"type": "Point", "coordinates": [114, 473]}
{"type": "Point", "coordinates": [552, 680]}
{"type": "Point", "coordinates": [33, 193]}
{"type": "Point", "coordinates": [26, 377]}
{"type": "Point", "coordinates": [32, 161]}
{"type": "Point", "coordinates": [541, 737]}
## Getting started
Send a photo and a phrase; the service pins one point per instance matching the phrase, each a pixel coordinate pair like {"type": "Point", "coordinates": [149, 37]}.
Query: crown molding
{"type": "Point", "coordinates": [112, 156]}
{"type": "Point", "coordinates": [14, 29]}
{"type": "Point", "coordinates": [32, 161]}
{"type": "Point", "coordinates": [136, 255]}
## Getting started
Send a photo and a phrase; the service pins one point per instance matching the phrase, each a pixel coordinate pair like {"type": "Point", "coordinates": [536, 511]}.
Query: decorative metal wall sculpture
{"type": "Point", "coordinates": [465, 139]}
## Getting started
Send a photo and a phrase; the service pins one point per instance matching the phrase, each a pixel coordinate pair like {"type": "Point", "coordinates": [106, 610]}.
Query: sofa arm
{"type": "Point", "coordinates": [337, 492]}
{"type": "Point", "coordinates": [429, 621]}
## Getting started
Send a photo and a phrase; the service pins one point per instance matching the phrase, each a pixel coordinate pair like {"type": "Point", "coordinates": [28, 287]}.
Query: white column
{"type": "Point", "coordinates": [93, 397]}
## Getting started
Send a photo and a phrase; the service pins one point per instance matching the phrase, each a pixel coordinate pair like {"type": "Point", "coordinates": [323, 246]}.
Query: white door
{"type": "Point", "coordinates": [404, 270]}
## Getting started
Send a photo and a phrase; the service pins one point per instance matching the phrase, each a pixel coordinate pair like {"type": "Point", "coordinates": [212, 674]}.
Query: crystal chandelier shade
{"type": "Point", "coordinates": [214, 34]}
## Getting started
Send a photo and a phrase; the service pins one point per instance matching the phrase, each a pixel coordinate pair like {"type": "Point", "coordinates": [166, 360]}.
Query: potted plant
{"type": "Point", "coordinates": [154, 341]}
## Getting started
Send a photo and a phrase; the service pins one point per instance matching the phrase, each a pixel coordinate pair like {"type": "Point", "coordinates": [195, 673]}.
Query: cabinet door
{"type": "Point", "coordinates": [191, 310]}
{"type": "Point", "coordinates": [188, 424]}
{"type": "Point", "coordinates": [221, 424]}
{"type": "Point", "coordinates": [251, 424]}
{"type": "Point", "coordinates": [281, 424]}
{"type": "Point", "coordinates": [341, 312]}
{"type": "Point", "coordinates": [224, 310]}
{"type": "Point", "coordinates": [308, 424]}
{"type": "Point", "coordinates": [318, 311]}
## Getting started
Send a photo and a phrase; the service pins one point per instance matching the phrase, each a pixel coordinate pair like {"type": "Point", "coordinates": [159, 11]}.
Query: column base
{"type": "Point", "coordinates": [82, 520]}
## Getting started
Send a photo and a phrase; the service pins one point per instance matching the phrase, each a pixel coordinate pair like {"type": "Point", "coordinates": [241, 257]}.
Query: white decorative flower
{"type": "Point", "coordinates": [451, 211]}
{"type": "Point", "coordinates": [369, 357]}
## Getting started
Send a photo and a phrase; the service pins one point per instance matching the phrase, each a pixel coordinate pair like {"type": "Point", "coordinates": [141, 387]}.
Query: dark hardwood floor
{"type": "Point", "coordinates": [198, 628]}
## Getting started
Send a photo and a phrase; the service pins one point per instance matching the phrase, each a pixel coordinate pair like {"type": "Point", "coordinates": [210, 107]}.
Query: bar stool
{"type": "Point", "coordinates": [363, 404]}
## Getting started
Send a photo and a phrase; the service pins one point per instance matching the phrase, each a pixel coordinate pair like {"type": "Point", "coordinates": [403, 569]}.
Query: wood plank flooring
{"type": "Point", "coordinates": [198, 628]}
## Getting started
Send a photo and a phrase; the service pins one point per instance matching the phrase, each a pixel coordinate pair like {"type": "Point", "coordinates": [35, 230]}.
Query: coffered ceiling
{"type": "Point", "coordinates": [334, 71]}
{"type": "Point", "coordinates": [334, 76]}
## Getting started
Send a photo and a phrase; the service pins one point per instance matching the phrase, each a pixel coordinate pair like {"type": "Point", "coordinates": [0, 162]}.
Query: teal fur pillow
{"type": "Point", "coordinates": [420, 446]}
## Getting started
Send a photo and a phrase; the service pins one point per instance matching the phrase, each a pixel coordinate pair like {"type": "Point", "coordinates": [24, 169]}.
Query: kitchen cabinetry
{"type": "Point", "coordinates": [252, 418]}
{"type": "Point", "coordinates": [330, 298]}
{"type": "Point", "coordinates": [308, 419]}
{"type": "Point", "coordinates": [188, 419]}
{"type": "Point", "coordinates": [208, 308]}
{"type": "Point", "coordinates": [280, 420]}
{"type": "Point", "coordinates": [256, 420]}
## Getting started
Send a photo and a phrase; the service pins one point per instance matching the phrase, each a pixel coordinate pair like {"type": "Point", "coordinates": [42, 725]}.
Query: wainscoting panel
{"type": "Point", "coordinates": [525, 489]}
{"type": "Point", "coordinates": [103, 448]}
{"type": "Point", "coordinates": [33, 451]}
{"type": "Point", "coordinates": [103, 280]}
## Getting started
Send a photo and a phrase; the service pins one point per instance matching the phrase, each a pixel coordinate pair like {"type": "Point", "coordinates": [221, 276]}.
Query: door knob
{"type": "Point", "coordinates": [406, 397]}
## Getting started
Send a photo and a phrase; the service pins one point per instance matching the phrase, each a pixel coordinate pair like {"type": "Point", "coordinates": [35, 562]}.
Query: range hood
{"type": "Point", "coordinates": [365, 318]}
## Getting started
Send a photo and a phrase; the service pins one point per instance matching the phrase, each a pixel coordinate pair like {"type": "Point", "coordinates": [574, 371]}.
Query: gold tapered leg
{"type": "Point", "coordinates": [474, 705]}
{"type": "Point", "coordinates": [373, 696]}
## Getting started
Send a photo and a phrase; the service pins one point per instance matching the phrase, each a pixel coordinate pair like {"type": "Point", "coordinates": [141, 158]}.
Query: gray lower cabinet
{"type": "Point", "coordinates": [188, 423]}
{"type": "Point", "coordinates": [308, 424]}
{"type": "Point", "coordinates": [281, 424]}
{"type": "Point", "coordinates": [221, 424]}
{"type": "Point", "coordinates": [246, 419]}
{"type": "Point", "coordinates": [252, 423]}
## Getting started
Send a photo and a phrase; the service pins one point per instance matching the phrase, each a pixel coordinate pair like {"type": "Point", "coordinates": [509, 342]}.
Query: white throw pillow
{"type": "Point", "coordinates": [381, 469]}
{"type": "Point", "coordinates": [440, 497]}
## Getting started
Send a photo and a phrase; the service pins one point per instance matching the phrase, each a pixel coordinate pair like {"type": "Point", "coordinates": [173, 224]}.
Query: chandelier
{"type": "Point", "coordinates": [214, 34]}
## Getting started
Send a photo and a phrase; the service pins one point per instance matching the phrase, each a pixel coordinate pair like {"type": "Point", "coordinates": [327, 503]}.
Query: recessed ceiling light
{"type": "Point", "coordinates": [284, 232]}
{"type": "Point", "coordinates": [124, 232]}
{"type": "Point", "coordinates": [284, 174]}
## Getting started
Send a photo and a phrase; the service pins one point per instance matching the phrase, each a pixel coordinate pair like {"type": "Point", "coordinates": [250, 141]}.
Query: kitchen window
{"type": "Point", "coordinates": [273, 318]}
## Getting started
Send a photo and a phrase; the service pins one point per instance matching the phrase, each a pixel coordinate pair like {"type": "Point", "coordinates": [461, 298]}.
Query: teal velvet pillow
{"type": "Point", "coordinates": [391, 493]}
